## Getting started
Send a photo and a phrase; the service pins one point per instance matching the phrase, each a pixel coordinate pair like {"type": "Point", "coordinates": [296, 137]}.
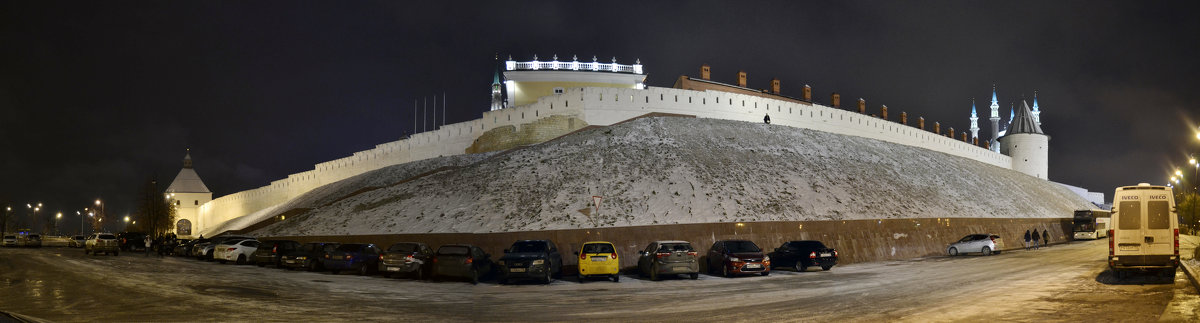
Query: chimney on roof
{"type": "Point", "coordinates": [862, 106]}
{"type": "Point", "coordinates": [937, 128]}
{"type": "Point", "coordinates": [883, 112]}
{"type": "Point", "coordinates": [921, 122]}
{"type": "Point", "coordinates": [775, 86]}
{"type": "Point", "coordinates": [742, 78]}
{"type": "Point", "coordinates": [836, 100]}
{"type": "Point", "coordinates": [807, 93]}
{"type": "Point", "coordinates": [705, 72]}
{"type": "Point", "coordinates": [904, 118]}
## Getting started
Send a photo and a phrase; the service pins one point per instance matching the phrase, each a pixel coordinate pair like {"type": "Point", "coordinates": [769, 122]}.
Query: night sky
{"type": "Point", "coordinates": [99, 97]}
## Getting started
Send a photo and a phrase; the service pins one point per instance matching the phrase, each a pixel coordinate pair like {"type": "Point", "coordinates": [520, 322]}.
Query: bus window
{"type": "Point", "coordinates": [1131, 215]}
{"type": "Point", "coordinates": [1157, 216]}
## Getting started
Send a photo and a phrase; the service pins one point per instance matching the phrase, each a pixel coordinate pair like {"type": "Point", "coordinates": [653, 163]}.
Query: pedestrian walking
{"type": "Point", "coordinates": [1046, 238]}
{"type": "Point", "coordinates": [1035, 239]}
{"type": "Point", "coordinates": [147, 245]}
{"type": "Point", "coordinates": [1026, 239]}
{"type": "Point", "coordinates": [767, 119]}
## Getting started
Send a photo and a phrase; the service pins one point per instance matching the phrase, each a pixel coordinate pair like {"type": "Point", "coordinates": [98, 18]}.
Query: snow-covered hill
{"type": "Point", "coordinates": [678, 170]}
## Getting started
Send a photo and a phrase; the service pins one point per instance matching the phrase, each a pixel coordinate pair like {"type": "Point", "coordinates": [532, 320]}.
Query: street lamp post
{"type": "Point", "coordinates": [57, 217]}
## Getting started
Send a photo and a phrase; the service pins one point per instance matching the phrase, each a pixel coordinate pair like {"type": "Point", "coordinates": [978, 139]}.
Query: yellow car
{"type": "Point", "coordinates": [598, 258]}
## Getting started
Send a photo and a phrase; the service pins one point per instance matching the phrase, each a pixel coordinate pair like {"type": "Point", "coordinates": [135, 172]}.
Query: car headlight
{"type": "Point", "coordinates": [301, 258]}
{"type": "Point", "coordinates": [734, 259]}
{"type": "Point", "coordinates": [539, 262]}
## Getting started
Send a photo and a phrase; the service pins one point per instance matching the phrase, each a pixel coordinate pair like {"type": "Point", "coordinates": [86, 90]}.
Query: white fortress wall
{"type": "Point", "coordinates": [596, 106]}
{"type": "Point", "coordinates": [605, 106]}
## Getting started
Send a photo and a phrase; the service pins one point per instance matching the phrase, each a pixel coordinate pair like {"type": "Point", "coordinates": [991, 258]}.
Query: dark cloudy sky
{"type": "Point", "coordinates": [96, 97]}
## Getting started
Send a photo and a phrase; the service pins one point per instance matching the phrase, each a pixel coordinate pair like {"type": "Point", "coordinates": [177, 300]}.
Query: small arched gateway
{"type": "Point", "coordinates": [183, 227]}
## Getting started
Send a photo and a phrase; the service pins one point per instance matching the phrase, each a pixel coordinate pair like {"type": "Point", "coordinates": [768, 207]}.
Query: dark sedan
{"type": "Point", "coordinates": [800, 255]}
{"type": "Point", "coordinates": [309, 256]}
{"type": "Point", "coordinates": [461, 261]}
{"type": "Point", "coordinates": [360, 257]}
{"type": "Point", "coordinates": [733, 257]}
{"type": "Point", "coordinates": [409, 258]}
{"type": "Point", "coordinates": [270, 251]}
{"type": "Point", "coordinates": [668, 258]}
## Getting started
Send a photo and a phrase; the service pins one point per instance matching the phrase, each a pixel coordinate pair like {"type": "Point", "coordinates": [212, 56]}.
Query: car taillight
{"type": "Point", "coordinates": [469, 260]}
{"type": "Point", "coordinates": [835, 253]}
{"type": "Point", "coordinates": [662, 254]}
{"type": "Point", "coordinates": [582, 256]}
{"type": "Point", "coordinates": [275, 249]}
{"type": "Point", "coordinates": [691, 253]}
{"type": "Point", "coordinates": [230, 249]}
{"type": "Point", "coordinates": [614, 255]}
{"type": "Point", "coordinates": [1112, 238]}
{"type": "Point", "coordinates": [812, 255]}
{"type": "Point", "coordinates": [1176, 243]}
{"type": "Point", "coordinates": [435, 260]}
{"type": "Point", "coordinates": [380, 257]}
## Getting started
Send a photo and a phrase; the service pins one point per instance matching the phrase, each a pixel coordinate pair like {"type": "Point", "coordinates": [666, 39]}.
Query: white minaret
{"type": "Point", "coordinates": [1037, 114]}
{"type": "Point", "coordinates": [995, 118]}
{"type": "Point", "coordinates": [974, 121]}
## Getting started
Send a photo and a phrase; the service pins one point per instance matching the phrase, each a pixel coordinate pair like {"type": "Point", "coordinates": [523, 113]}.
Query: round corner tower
{"type": "Point", "coordinates": [1027, 145]}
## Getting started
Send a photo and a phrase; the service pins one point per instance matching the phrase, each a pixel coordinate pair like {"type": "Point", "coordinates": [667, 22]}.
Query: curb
{"type": "Point", "coordinates": [1187, 270]}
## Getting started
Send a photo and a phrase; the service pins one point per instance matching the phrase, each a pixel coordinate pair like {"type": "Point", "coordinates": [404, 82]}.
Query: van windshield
{"type": "Point", "coordinates": [1158, 215]}
{"type": "Point", "coordinates": [1130, 214]}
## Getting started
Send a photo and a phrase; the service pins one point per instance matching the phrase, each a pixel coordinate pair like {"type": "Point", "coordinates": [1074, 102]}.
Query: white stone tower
{"type": "Point", "coordinates": [187, 193]}
{"type": "Point", "coordinates": [974, 121]}
{"type": "Point", "coordinates": [1026, 144]}
{"type": "Point", "coordinates": [995, 118]}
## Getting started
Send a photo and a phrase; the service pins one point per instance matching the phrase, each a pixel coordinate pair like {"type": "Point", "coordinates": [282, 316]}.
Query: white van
{"type": "Point", "coordinates": [1144, 230]}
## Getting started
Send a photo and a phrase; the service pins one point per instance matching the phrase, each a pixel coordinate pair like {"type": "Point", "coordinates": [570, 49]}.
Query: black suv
{"type": "Point", "coordinates": [132, 241]}
{"type": "Point", "coordinates": [530, 259]}
{"type": "Point", "coordinates": [309, 256]}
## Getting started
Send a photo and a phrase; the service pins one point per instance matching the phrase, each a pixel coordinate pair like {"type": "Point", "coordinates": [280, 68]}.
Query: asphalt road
{"type": "Point", "coordinates": [1060, 283]}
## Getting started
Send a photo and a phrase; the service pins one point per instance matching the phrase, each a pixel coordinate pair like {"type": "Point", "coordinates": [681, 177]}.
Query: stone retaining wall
{"type": "Point", "coordinates": [856, 240]}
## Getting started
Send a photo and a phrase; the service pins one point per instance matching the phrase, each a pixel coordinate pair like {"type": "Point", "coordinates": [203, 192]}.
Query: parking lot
{"type": "Point", "coordinates": [1063, 282]}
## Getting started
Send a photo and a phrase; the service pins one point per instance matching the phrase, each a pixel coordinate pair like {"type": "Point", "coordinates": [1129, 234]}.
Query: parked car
{"type": "Point", "coordinates": [270, 251]}
{"type": "Point", "coordinates": [531, 259]}
{"type": "Point", "coordinates": [10, 240]}
{"type": "Point", "coordinates": [984, 244]}
{"type": "Point", "coordinates": [102, 242]}
{"type": "Point", "coordinates": [205, 251]}
{"type": "Point", "coordinates": [76, 241]}
{"type": "Point", "coordinates": [410, 258]}
{"type": "Point", "coordinates": [196, 246]}
{"type": "Point", "coordinates": [310, 256]}
{"type": "Point", "coordinates": [183, 248]}
{"type": "Point", "coordinates": [34, 241]}
{"type": "Point", "coordinates": [132, 241]}
{"type": "Point", "coordinates": [668, 258]}
{"type": "Point", "coordinates": [734, 257]}
{"type": "Point", "coordinates": [361, 257]}
{"type": "Point", "coordinates": [235, 250]}
{"type": "Point", "coordinates": [461, 261]}
{"type": "Point", "coordinates": [800, 255]}
{"type": "Point", "coordinates": [598, 259]}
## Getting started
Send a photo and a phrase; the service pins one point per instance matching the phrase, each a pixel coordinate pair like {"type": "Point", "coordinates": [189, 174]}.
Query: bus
{"type": "Point", "coordinates": [1091, 224]}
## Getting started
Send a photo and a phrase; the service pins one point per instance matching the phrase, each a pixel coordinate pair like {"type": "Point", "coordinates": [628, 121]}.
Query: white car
{"type": "Point", "coordinates": [10, 240]}
{"type": "Point", "coordinates": [238, 250]}
{"type": "Point", "coordinates": [985, 244]}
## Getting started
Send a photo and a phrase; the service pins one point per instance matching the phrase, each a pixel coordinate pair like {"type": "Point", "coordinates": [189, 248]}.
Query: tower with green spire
{"type": "Point", "coordinates": [974, 121]}
{"type": "Point", "coordinates": [497, 97]}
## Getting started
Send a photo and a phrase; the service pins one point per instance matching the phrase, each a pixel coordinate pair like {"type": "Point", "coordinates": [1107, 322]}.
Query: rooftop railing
{"type": "Point", "coordinates": [573, 65]}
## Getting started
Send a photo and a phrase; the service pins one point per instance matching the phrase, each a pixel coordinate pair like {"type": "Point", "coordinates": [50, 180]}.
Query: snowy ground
{"type": "Point", "coordinates": [677, 170]}
{"type": "Point", "coordinates": [1059, 283]}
